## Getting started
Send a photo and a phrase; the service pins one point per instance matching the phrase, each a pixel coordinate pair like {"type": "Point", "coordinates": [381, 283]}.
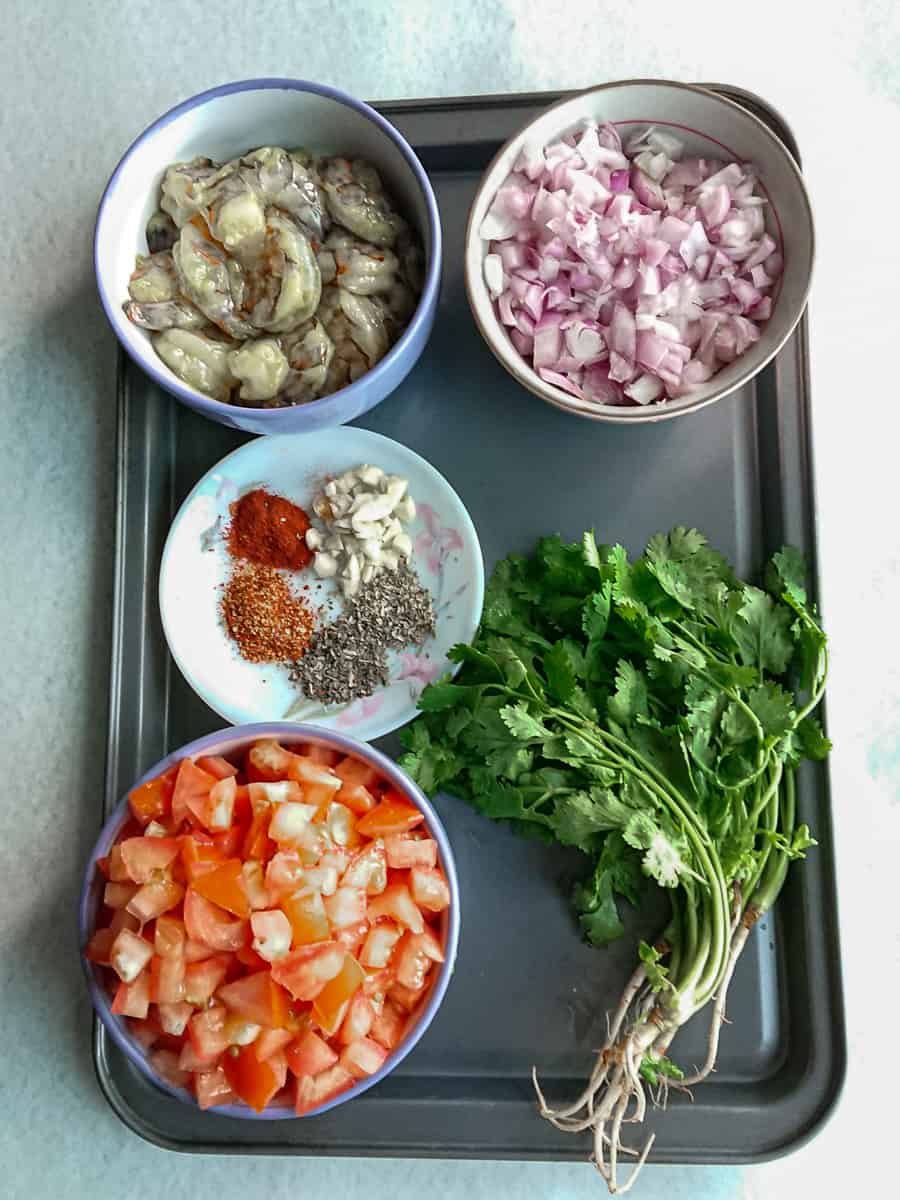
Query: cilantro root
{"type": "Point", "coordinates": [652, 714]}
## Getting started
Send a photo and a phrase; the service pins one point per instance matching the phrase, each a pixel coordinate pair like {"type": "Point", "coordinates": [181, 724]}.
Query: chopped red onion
{"type": "Point", "coordinates": [629, 275]}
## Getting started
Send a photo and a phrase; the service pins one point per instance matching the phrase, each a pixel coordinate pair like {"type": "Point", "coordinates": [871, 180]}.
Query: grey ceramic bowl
{"type": "Point", "coordinates": [235, 741]}
{"type": "Point", "coordinates": [220, 124]}
{"type": "Point", "coordinates": [710, 125]}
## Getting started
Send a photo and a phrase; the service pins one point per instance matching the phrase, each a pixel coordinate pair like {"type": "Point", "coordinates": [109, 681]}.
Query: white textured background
{"type": "Point", "coordinates": [81, 80]}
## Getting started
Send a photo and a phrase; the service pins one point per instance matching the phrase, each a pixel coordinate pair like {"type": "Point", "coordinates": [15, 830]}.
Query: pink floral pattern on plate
{"type": "Point", "coordinates": [436, 542]}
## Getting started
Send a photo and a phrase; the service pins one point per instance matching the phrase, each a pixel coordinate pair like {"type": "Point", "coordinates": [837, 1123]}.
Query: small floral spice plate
{"type": "Point", "coordinates": [196, 564]}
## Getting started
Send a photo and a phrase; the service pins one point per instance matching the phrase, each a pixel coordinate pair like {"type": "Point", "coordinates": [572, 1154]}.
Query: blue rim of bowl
{"type": "Point", "coordinates": [464, 518]}
{"type": "Point", "coordinates": [293, 733]}
{"type": "Point", "coordinates": [432, 276]}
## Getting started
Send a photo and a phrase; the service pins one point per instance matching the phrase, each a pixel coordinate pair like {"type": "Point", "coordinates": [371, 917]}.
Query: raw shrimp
{"type": "Point", "coordinates": [181, 194]}
{"type": "Point", "coordinates": [309, 351]}
{"type": "Point", "coordinates": [162, 232]}
{"type": "Point", "coordinates": [355, 198]}
{"type": "Point", "coordinates": [282, 180]}
{"type": "Point", "coordinates": [367, 325]}
{"type": "Point", "coordinates": [412, 260]}
{"type": "Point", "coordinates": [205, 277]}
{"type": "Point", "coordinates": [198, 360]}
{"type": "Point", "coordinates": [291, 259]}
{"type": "Point", "coordinates": [165, 314]}
{"type": "Point", "coordinates": [358, 266]}
{"type": "Point", "coordinates": [261, 367]}
{"type": "Point", "coordinates": [153, 279]}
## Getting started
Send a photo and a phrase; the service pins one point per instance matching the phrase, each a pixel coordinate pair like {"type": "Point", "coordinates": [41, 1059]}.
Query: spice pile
{"type": "Point", "coordinates": [361, 543]}
{"type": "Point", "coordinates": [263, 617]}
{"type": "Point", "coordinates": [348, 658]}
{"type": "Point", "coordinates": [266, 621]}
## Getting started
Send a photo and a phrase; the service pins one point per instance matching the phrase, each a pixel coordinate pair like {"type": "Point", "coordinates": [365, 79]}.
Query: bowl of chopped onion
{"type": "Point", "coordinates": [639, 251]}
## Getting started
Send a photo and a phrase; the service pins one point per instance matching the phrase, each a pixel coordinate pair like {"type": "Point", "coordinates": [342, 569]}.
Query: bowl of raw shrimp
{"type": "Point", "coordinates": [639, 251]}
{"type": "Point", "coordinates": [269, 252]}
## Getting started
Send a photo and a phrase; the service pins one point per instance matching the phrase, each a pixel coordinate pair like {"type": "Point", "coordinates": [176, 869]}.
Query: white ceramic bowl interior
{"type": "Point", "coordinates": [221, 124]}
{"type": "Point", "coordinates": [710, 125]}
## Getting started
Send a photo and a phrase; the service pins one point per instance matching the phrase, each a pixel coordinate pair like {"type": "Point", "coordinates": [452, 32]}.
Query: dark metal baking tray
{"type": "Point", "coordinates": [526, 990]}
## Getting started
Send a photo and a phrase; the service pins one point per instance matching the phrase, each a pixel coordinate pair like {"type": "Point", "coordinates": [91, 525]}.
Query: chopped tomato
{"type": "Point", "coordinates": [403, 852]}
{"type": "Point", "coordinates": [144, 856]}
{"type": "Point", "coordinates": [306, 913]}
{"type": "Point", "coordinates": [117, 895]}
{"type": "Point", "coordinates": [329, 1004]}
{"type": "Point", "coordinates": [254, 1081]}
{"type": "Point", "coordinates": [223, 887]}
{"type": "Point", "coordinates": [254, 884]}
{"type": "Point", "coordinates": [284, 874]}
{"type": "Point", "coordinates": [115, 866]}
{"type": "Point", "coordinates": [266, 796]}
{"type": "Point", "coordinates": [321, 754]}
{"type": "Point", "coordinates": [267, 760]}
{"type": "Point", "coordinates": [388, 1026]}
{"type": "Point", "coordinates": [312, 1091]}
{"type": "Point", "coordinates": [407, 998]}
{"type": "Point", "coordinates": [378, 983]}
{"type": "Point", "coordinates": [353, 772]}
{"type": "Point", "coordinates": [310, 1055]}
{"type": "Point", "coordinates": [357, 798]}
{"type": "Point", "coordinates": [168, 975]}
{"type": "Point", "coordinates": [391, 816]}
{"type": "Point", "coordinates": [271, 934]}
{"type": "Point", "coordinates": [152, 801]}
{"type": "Point", "coordinates": [380, 945]}
{"type": "Point", "coordinates": [214, 809]}
{"type": "Point", "coordinates": [190, 1060]}
{"type": "Point", "coordinates": [270, 1041]}
{"type": "Point", "coordinates": [133, 999]}
{"type": "Point", "coordinates": [165, 1064]}
{"type": "Point", "coordinates": [214, 764]}
{"type": "Point", "coordinates": [198, 856]}
{"type": "Point", "coordinates": [122, 919]}
{"type": "Point", "coordinates": [346, 907]}
{"type": "Point", "coordinates": [174, 1017]}
{"type": "Point", "coordinates": [208, 923]}
{"type": "Point", "coordinates": [429, 889]}
{"type": "Point", "coordinates": [358, 1020]}
{"type": "Point", "coordinates": [257, 998]}
{"type": "Point", "coordinates": [352, 937]}
{"type": "Point", "coordinates": [195, 951]}
{"type": "Point", "coordinates": [396, 902]}
{"type": "Point", "coordinates": [208, 1034]}
{"type": "Point", "coordinates": [201, 979]}
{"type": "Point", "coordinates": [306, 971]}
{"type": "Point", "coordinates": [243, 810]}
{"type": "Point", "coordinates": [318, 783]}
{"type": "Point", "coordinates": [129, 954]}
{"type": "Point", "coordinates": [98, 948]}
{"type": "Point", "coordinates": [169, 937]}
{"type": "Point", "coordinates": [191, 783]}
{"type": "Point", "coordinates": [229, 841]}
{"type": "Point", "coordinates": [154, 899]}
{"type": "Point", "coordinates": [367, 869]}
{"type": "Point", "coordinates": [415, 954]}
{"type": "Point", "coordinates": [257, 843]}
{"type": "Point", "coordinates": [363, 1057]}
{"type": "Point", "coordinates": [248, 957]}
{"type": "Point", "coordinates": [290, 822]}
{"type": "Point", "coordinates": [102, 865]}
{"type": "Point", "coordinates": [212, 1088]}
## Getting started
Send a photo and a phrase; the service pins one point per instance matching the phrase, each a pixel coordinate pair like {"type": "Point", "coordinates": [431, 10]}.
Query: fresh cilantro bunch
{"type": "Point", "coordinates": [651, 713]}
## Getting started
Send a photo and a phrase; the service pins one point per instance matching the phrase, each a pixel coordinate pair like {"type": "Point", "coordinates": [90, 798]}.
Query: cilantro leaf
{"type": "Point", "coordinates": [773, 708]}
{"type": "Point", "coordinates": [562, 664]}
{"type": "Point", "coordinates": [444, 694]}
{"type": "Point", "coordinates": [811, 739]}
{"type": "Point", "coordinates": [521, 724]}
{"type": "Point", "coordinates": [762, 632]}
{"type": "Point", "coordinates": [657, 975]}
{"type": "Point", "coordinates": [616, 872]}
{"type": "Point", "coordinates": [786, 575]}
{"type": "Point", "coordinates": [579, 816]}
{"type": "Point", "coordinates": [629, 700]}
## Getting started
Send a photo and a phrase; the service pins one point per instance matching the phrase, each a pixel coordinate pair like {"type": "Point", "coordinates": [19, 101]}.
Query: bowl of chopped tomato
{"type": "Point", "coordinates": [269, 920]}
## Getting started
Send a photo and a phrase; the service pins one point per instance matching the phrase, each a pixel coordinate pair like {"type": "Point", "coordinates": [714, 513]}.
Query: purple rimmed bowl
{"type": "Point", "coordinates": [234, 741]}
{"type": "Point", "coordinates": [220, 124]}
